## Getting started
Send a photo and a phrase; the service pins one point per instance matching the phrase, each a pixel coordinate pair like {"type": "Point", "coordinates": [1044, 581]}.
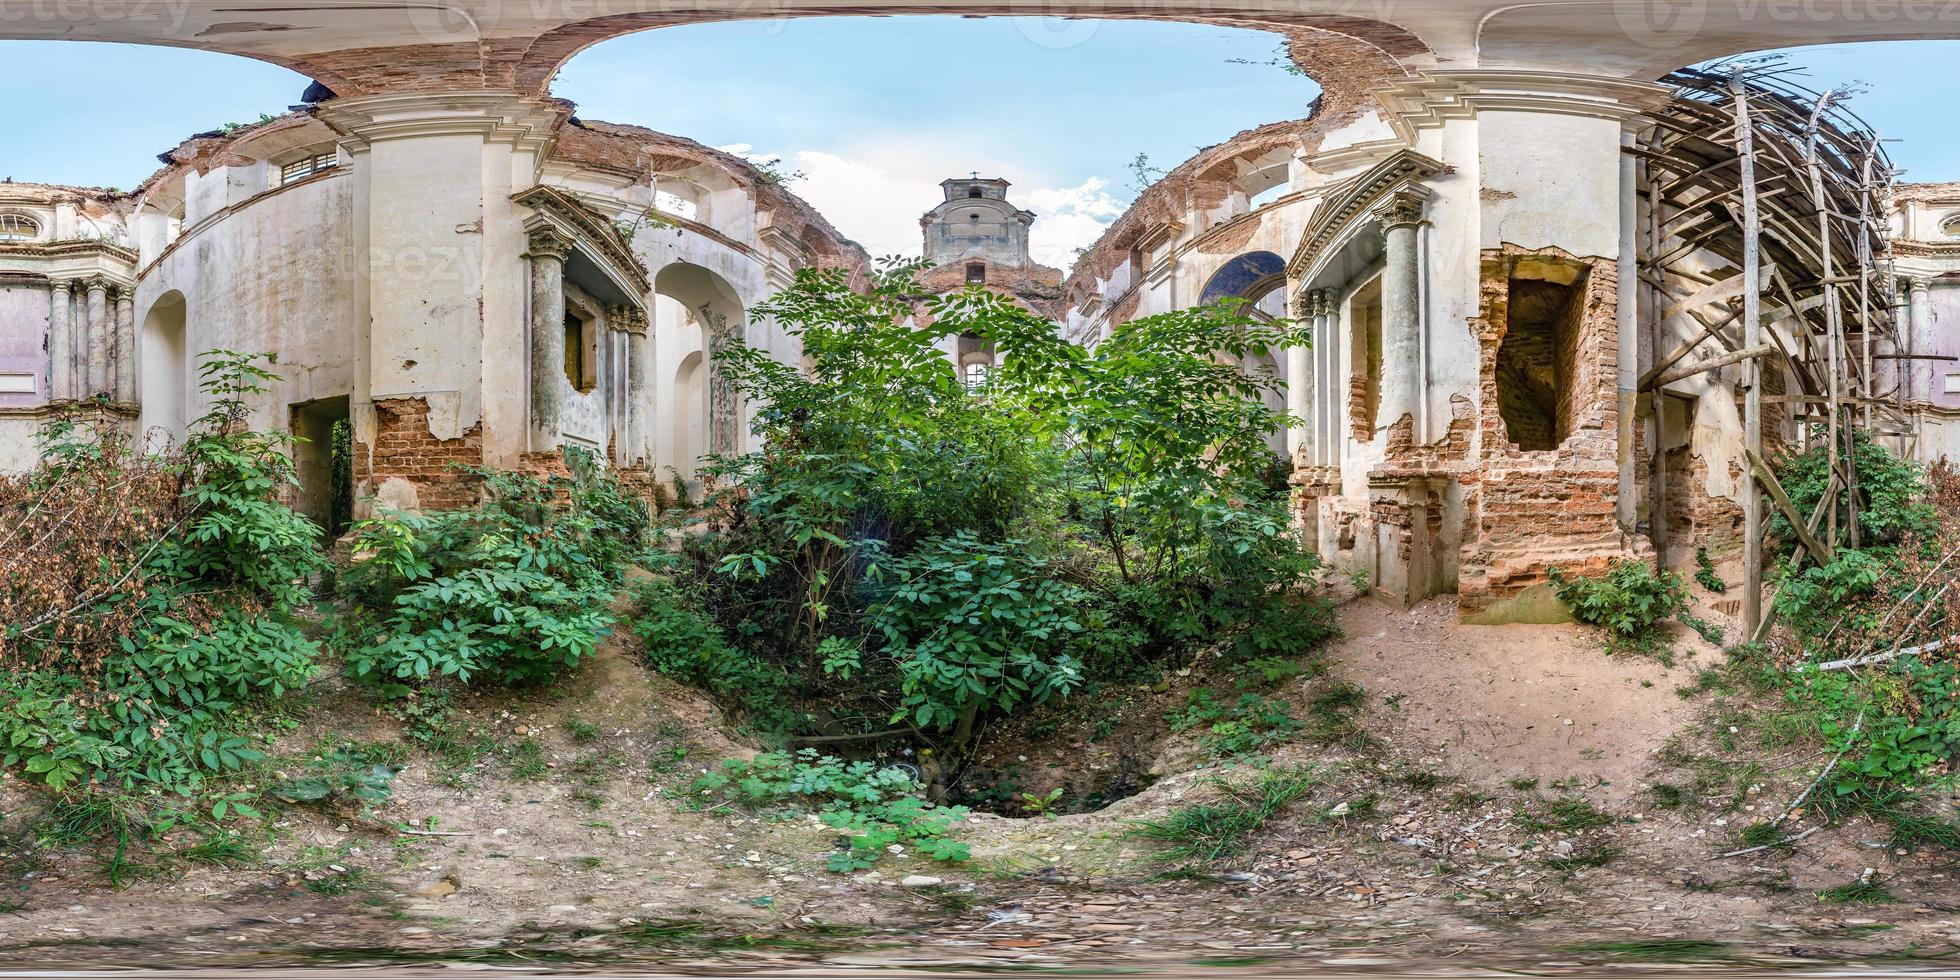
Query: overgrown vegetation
{"type": "Point", "coordinates": [1629, 602]}
{"type": "Point", "coordinates": [1201, 833]}
{"type": "Point", "coordinates": [514, 589]}
{"type": "Point", "coordinates": [910, 559]}
{"type": "Point", "coordinates": [877, 808]}
{"type": "Point", "coordinates": [146, 600]}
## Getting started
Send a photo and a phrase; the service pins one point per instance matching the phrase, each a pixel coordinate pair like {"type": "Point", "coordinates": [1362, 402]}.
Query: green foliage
{"type": "Point", "coordinates": [680, 641]}
{"type": "Point", "coordinates": [907, 551]}
{"type": "Point", "coordinates": [973, 627]}
{"type": "Point", "coordinates": [202, 621]}
{"type": "Point", "coordinates": [1628, 601]}
{"type": "Point", "coordinates": [1251, 723]}
{"type": "Point", "coordinates": [1705, 574]}
{"type": "Point", "coordinates": [345, 776]}
{"type": "Point", "coordinates": [1817, 598]}
{"type": "Point", "coordinates": [1910, 723]}
{"type": "Point", "coordinates": [514, 589]}
{"type": "Point", "coordinates": [1210, 831]}
{"type": "Point", "coordinates": [1890, 493]}
{"type": "Point", "coordinates": [877, 807]}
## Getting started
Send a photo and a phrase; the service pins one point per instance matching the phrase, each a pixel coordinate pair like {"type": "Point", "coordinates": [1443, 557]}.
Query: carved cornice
{"type": "Point", "coordinates": [71, 247]}
{"type": "Point", "coordinates": [1344, 202]}
{"type": "Point", "coordinates": [588, 232]}
{"type": "Point", "coordinates": [1427, 99]}
{"type": "Point", "coordinates": [498, 117]}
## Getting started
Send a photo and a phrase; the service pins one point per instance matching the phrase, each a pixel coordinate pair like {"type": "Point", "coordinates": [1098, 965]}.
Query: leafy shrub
{"type": "Point", "coordinates": [345, 776]}
{"type": "Point", "coordinates": [514, 589]}
{"type": "Point", "coordinates": [972, 627]}
{"type": "Point", "coordinates": [1891, 491]}
{"type": "Point", "coordinates": [146, 597]}
{"type": "Point", "coordinates": [1628, 601]}
{"type": "Point", "coordinates": [877, 807]}
{"type": "Point", "coordinates": [1705, 574]}
{"type": "Point", "coordinates": [906, 551]}
{"type": "Point", "coordinates": [680, 641]}
{"type": "Point", "coordinates": [1248, 724]}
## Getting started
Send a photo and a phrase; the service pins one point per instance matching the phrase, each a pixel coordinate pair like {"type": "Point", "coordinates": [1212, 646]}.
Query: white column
{"type": "Point", "coordinates": [1328, 323]}
{"type": "Point", "coordinates": [547, 255]}
{"type": "Point", "coordinates": [1300, 385]}
{"type": "Point", "coordinates": [1401, 383]}
{"type": "Point", "coordinates": [639, 391]}
{"type": "Point", "coordinates": [126, 345]}
{"type": "Point", "coordinates": [99, 334]}
{"type": "Point", "coordinates": [1920, 337]}
{"type": "Point", "coordinates": [61, 341]}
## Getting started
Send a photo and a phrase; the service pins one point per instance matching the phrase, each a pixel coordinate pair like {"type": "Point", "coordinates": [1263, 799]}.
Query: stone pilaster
{"type": "Point", "coordinates": [1401, 215]}
{"type": "Point", "coordinates": [100, 337]}
{"type": "Point", "coordinates": [61, 341]}
{"type": "Point", "coordinates": [547, 254]}
{"type": "Point", "coordinates": [1300, 388]}
{"type": "Point", "coordinates": [126, 345]}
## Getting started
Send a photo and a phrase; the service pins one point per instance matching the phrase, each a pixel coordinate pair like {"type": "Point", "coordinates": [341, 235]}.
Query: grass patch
{"type": "Point", "coordinates": [1657, 950]}
{"type": "Point", "coordinates": [1567, 813]}
{"type": "Point", "coordinates": [1864, 891]}
{"type": "Point", "coordinates": [1206, 832]}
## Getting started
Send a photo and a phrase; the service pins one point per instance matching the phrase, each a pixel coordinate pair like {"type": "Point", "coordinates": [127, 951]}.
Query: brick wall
{"type": "Point", "coordinates": [405, 449]}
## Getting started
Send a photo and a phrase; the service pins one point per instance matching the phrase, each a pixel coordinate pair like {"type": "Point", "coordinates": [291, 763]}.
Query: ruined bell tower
{"type": "Point", "coordinates": [976, 223]}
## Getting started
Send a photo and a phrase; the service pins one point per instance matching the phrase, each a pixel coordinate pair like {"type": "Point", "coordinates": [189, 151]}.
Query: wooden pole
{"type": "Point", "coordinates": [1752, 331]}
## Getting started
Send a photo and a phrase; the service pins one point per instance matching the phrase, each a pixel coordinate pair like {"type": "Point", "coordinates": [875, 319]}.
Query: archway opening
{"type": "Point", "coordinates": [163, 370]}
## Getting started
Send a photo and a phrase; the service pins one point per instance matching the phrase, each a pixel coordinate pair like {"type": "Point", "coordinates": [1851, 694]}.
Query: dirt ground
{"type": "Point", "coordinates": [1438, 846]}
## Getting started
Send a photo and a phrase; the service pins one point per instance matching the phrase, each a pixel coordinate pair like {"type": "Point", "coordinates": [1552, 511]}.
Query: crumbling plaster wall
{"type": "Point", "coordinates": [273, 273]}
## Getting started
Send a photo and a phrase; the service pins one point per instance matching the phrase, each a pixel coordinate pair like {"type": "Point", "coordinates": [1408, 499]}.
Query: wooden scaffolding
{"type": "Point", "coordinates": [1765, 210]}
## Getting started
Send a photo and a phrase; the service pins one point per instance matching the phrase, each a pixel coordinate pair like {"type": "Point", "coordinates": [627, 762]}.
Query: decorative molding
{"type": "Point", "coordinates": [522, 122]}
{"type": "Point", "coordinates": [547, 242]}
{"type": "Point", "coordinates": [587, 232]}
{"type": "Point", "coordinates": [1427, 99]}
{"type": "Point", "coordinates": [627, 319]}
{"type": "Point", "coordinates": [1345, 201]}
{"type": "Point", "coordinates": [1402, 206]}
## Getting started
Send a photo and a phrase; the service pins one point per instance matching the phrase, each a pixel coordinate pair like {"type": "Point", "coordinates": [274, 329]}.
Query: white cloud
{"type": "Point", "coordinates": [1068, 218]}
{"type": "Point", "coordinates": [875, 194]}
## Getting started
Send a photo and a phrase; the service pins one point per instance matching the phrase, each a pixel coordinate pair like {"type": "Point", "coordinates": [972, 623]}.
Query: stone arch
{"type": "Point", "coordinates": [696, 313]}
{"type": "Point", "coordinates": [1345, 55]}
{"type": "Point", "coordinates": [163, 371]}
{"type": "Point", "coordinates": [1250, 276]}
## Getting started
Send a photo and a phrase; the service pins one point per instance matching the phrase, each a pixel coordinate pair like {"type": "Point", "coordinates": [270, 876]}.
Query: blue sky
{"type": "Point", "coordinates": [874, 110]}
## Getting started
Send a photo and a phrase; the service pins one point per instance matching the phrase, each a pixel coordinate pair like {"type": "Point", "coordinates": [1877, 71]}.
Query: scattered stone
{"type": "Point", "coordinates": [920, 881]}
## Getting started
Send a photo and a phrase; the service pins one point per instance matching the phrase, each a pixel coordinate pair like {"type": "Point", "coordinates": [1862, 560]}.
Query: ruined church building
{"type": "Point", "coordinates": [1509, 228]}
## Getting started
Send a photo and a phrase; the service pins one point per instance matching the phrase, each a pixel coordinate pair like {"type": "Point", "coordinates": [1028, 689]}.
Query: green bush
{"type": "Point", "coordinates": [1891, 491]}
{"type": "Point", "coordinates": [159, 594]}
{"type": "Point", "coordinates": [1628, 601]}
{"type": "Point", "coordinates": [514, 589]}
{"type": "Point", "coordinates": [680, 641]}
{"type": "Point", "coordinates": [876, 807]}
{"type": "Point", "coordinates": [908, 552]}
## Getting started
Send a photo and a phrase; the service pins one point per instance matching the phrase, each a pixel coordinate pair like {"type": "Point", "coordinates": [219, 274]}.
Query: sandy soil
{"type": "Point", "coordinates": [1492, 704]}
{"type": "Point", "coordinates": [1433, 848]}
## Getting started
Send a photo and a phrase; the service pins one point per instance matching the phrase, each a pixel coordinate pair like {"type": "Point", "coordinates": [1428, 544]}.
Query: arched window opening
{"type": "Point", "coordinates": [973, 192]}
{"type": "Point", "coordinates": [976, 375]}
{"type": "Point", "coordinates": [976, 273]}
{"type": "Point", "coordinates": [17, 227]}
